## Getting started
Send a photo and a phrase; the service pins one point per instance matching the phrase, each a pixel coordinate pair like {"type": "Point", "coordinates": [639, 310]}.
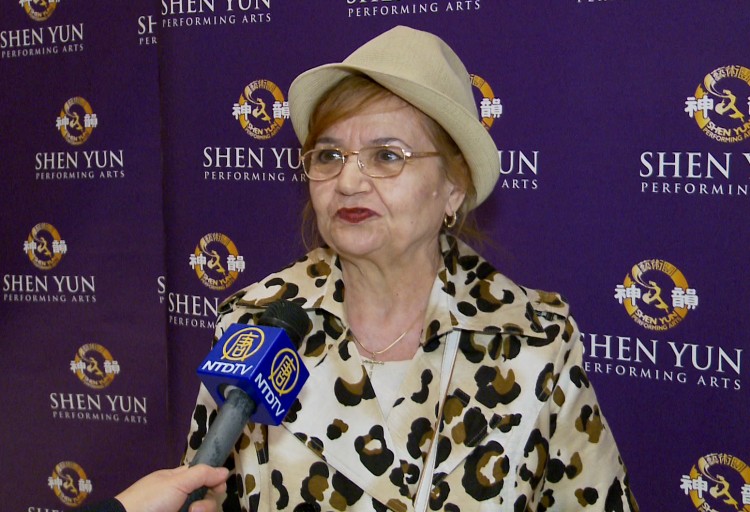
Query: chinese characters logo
{"type": "Point", "coordinates": [721, 104]}
{"type": "Point", "coordinates": [216, 261]}
{"type": "Point", "coordinates": [243, 344]}
{"type": "Point", "coordinates": [261, 109]}
{"type": "Point", "coordinates": [39, 10]}
{"type": "Point", "coordinates": [490, 107]}
{"type": "Point", "coordinates": [285, 371]}
{"type": "Point", "coordinates": [76, 121]}
{"type": "Point", "coordinates": [656, 295]}
{"type": "Point", "coordinates": [44, 246]}
{"type": "Point", "coordinates": [94, 366]}
{"type": "Point", "coordinates": [70, 484]}
{"type": "Point", "coordinates": [718, 482]}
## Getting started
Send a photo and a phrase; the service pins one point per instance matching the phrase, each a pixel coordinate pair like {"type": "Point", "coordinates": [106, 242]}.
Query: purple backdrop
{"type": "Point", "coordinates": [145, 182]}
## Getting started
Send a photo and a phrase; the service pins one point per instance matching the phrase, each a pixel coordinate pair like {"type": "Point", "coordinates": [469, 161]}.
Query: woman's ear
{"type": "Point", "coordinates": [455, 200]}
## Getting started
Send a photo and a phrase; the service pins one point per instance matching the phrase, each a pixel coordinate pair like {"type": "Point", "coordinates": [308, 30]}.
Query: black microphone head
{"type": "Point", "coordinates": [288, 316]}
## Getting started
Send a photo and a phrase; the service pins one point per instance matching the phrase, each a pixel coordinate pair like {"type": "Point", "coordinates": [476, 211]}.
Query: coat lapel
{"type": "Point", "coordinates": [483, 384]}
{"type": "Point", "coordinates": [468, 419]}
{"type": "Point", "coordinates": [340, 420]}
{"type": "Point", "coordinates": [338, 416]}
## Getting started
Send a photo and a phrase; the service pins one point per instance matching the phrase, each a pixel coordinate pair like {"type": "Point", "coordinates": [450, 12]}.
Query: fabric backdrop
{"type": "Point", "coordinates": [150, 170]}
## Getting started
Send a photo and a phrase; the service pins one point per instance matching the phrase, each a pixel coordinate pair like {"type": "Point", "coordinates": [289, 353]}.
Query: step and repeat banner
{"type": "Point", "coordinates": [150, 170]}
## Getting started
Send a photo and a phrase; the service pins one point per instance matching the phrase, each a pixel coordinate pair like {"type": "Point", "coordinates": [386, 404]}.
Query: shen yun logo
{"type": "Point", "coordinates": [94, 366]}
{"type": "Point", "coordinates": [644, 295]}
{"type": "Point", "coordinates": [518, 170]}
{"type": "Point", "coordinates": [261, 109]}
{"type": "Point", "coordinates": [721, 104]}
{"type": "Point", "coordinates": [70, 483]}
{"type": "Point", "coordinates": [657, 296]}
{"type": "Point", "coordinates": [44, 246]}
{"type": "Point", "coordinates": [42, 39]}
{"type": "Point", "coordinates": [490, 107]}
{"type": "Point", "coordinates": [216, 261]}
{"type": "Point", "coordinates": [76, 121]}
{"type": "Point", "coordinates": [39, 10]}
{"type": "Point", "coordinates": [718, 482]}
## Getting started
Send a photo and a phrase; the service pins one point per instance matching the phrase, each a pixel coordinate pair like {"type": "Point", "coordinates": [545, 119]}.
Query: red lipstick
{"type": "Point", "coordinates": [354, 215]}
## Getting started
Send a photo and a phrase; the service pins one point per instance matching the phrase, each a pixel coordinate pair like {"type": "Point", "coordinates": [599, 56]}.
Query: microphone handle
{"type": "Point", "coordinates": [221, 436]}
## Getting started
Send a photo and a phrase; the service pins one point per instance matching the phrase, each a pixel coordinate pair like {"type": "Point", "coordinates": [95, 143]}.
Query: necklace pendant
{"type": "Point", "coordinates": [372, 361]}
{"type": "Point", "coordinates": [371, 365]}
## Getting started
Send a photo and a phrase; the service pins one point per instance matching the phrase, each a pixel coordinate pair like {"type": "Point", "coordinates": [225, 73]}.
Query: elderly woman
{"type": "Point", "coordinates": [435, 382]}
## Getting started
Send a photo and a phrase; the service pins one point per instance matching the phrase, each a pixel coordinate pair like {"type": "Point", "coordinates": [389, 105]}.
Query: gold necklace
{"type": "Point", "coordinates": [373, 359]}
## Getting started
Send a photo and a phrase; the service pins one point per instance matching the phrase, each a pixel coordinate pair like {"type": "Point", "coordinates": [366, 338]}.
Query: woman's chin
{"type": "Point", "coordinates": [355, 243]}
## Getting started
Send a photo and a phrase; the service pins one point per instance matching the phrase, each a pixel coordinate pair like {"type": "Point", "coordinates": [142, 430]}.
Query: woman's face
{"type": "Point", "coordinates": [383, 218]}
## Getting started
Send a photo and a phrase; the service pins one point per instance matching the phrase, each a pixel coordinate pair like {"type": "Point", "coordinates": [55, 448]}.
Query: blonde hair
{"type": "Point", "coordinates": [352, 95]}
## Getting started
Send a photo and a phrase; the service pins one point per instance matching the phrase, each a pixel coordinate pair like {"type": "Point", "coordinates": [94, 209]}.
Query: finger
{"type": "Point", "coordinates": [202, 475]}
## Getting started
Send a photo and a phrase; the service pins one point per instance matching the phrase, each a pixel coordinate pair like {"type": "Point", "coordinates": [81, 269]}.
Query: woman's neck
{"type": "Point", "coordinates": [386, 302]}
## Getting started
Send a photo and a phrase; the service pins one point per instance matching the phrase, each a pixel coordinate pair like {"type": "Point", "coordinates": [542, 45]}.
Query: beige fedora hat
{"type": "Point", "coordinates": [423, 70]}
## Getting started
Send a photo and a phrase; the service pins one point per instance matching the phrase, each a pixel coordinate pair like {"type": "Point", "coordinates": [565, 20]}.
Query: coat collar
{"type": "Point", "coordinates": [474, 292]}
{"type": "Point", "coordinates": [469, 295]}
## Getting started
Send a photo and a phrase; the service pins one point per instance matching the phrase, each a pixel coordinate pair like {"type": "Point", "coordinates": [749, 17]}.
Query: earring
{"type": "Point", "coordinates": [450, 220]}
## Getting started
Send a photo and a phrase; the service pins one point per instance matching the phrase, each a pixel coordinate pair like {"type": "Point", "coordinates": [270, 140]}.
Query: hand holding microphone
{"type": "Point", "coordinates": [165, 490]}
{"type": "Point", "coordinates": [254, 373]}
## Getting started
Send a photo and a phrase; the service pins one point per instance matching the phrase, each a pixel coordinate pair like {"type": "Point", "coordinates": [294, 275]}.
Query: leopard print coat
{"type": "Point", "coordinates": [521, 428]}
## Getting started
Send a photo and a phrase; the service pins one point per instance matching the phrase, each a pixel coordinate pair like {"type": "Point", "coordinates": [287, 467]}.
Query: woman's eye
{"type": "Point", "coordinates": [327, 156]}
{"type": "Point", "coordinates": [387, 155]}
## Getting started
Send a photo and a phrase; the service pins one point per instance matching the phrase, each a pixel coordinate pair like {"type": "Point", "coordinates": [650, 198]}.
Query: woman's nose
{"type": "Point", "coordinates": [351, 180]}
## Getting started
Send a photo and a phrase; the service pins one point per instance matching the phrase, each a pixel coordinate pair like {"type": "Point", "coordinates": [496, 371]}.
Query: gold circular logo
{"type": "Point", "coordinates": [243, 344]}
{"type": "Point", "coordinates": [656, 295]}
{"type": "Point", "coordinates": [76, 121]}
{"type": "Point", "coordinates": [94, 366]}
{"type": "Point", "coordinates": [70, 484]}
{"type": "Point", "coordinates": [216, 261]}
{"type": "Point", "coordinates": [490, 107]}
{"type": "Point", "coordinates": [285, 371]}
{"type": "Point", "coordinates": [39, 11]}
{"type": "Point", "coordinates": [721, 105]}
{"type": "Point", "coordinates": [717, 483]}
{"type": "Point", "coordinates": [261, 109]}
{"type": "Point", "coordinates": [44, 246]}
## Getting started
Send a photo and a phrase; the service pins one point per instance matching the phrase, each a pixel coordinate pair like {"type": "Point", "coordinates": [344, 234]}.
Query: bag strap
{"type": "Point", "coordinates": [425, 481]}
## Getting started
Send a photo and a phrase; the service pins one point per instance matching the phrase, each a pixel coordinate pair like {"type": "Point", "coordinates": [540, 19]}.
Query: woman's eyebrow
{"type": "Point", "coordinates": [380, 141]}
{"type": "Point", "coordinates": [384, 141]}
{"type": "Point", "coordinates": [330, 141]}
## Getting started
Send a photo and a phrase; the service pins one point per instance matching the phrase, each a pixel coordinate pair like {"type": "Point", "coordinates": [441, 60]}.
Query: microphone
{"type": "Point", "coordinates": [254, 373]}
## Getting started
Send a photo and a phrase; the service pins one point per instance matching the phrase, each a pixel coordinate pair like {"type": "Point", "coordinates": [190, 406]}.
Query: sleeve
{"type": "Point", "coordinates": [585, 470]}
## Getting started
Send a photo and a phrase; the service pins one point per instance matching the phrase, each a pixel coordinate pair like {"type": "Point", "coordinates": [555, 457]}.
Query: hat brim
{"type": "Point", "coordinates": [464, 127]}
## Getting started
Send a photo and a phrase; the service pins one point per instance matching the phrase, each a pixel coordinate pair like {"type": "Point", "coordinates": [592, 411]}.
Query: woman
{"type": "Point", "coordinates": [412, 332]}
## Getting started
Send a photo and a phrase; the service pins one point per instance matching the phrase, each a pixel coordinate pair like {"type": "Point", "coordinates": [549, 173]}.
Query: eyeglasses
{"type": "Point", "coordinates": [375, 162]}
